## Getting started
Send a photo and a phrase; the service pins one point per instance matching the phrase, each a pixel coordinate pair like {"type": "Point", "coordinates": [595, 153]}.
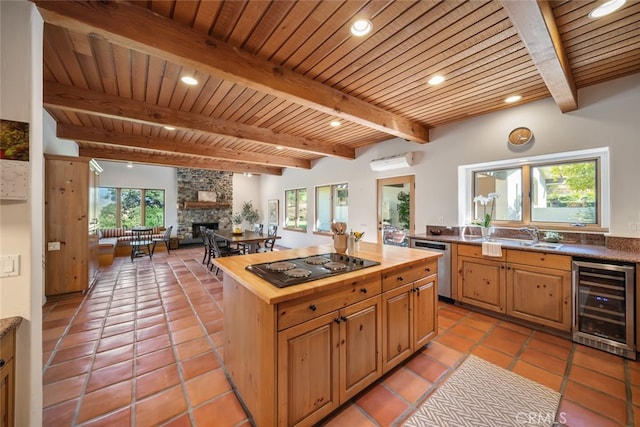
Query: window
{"type": "Point", "coordinates": [332, 205]}
{"type": "Point", "coordinates": [129, 207]}
{"type": "Point", "coordinates": [296, 209]}
{"type": "Point", "coordinates": [560, 191]}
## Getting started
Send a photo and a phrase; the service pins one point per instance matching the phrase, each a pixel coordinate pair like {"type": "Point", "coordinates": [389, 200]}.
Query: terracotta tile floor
{"type": "Point", "coordinates": [144, 348]}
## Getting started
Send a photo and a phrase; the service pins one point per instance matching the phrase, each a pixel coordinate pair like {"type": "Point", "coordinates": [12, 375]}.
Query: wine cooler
{"type": "Point", "coordinates": [604, 308]}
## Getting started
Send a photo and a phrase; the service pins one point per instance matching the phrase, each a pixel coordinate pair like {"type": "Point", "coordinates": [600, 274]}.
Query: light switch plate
{"type": "Point", "coordinates": [9, 265]}
{"type": "Point", "coordinates": [53, 246]}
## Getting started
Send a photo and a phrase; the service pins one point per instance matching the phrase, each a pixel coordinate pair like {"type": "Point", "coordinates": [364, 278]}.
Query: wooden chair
{"type": "Point", "coordinates": [220, 251]}
{"type": "Point", "coordinates": [258, 229]}
{"type": "Point", "coordinates": [164, 239]}
{"type": "Point", "coordinates": [270, 243]}
{"type": "Point", "coordinates": [141, 242]}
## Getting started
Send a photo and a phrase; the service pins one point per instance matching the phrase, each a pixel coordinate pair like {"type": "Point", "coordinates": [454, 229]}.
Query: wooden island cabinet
{"type": "Point", "coordinates": [296, 354]}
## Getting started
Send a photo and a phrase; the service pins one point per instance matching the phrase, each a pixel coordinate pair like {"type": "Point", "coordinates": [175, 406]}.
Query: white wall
{"type": "Point", "coordinates": [245, 189]}
{"type": "Point", "coordinates": [21, 223]}
{"type": "Point", "coordinates": [608, 116]}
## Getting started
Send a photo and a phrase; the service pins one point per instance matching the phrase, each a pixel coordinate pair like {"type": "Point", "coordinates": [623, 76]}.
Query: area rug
{"type": "Point", "coordinates": [482, 394]}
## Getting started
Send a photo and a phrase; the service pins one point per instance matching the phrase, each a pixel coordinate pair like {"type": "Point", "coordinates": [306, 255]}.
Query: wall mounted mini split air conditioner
{"type": "Point", "coordinates": [392, 162]}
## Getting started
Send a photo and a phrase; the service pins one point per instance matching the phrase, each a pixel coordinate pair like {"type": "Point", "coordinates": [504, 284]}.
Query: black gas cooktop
{"type": "Point", "coordinates": [294, 271]}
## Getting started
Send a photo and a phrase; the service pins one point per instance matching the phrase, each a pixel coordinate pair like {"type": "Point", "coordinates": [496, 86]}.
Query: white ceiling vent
{"type": "Point", "coordinates": [392, 162]}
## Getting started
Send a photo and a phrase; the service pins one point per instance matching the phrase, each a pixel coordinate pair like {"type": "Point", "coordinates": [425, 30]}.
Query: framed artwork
{"type": "Point", "coordinates": [273, 212]}
{"type": "Point", "coordinates": [14, 160]}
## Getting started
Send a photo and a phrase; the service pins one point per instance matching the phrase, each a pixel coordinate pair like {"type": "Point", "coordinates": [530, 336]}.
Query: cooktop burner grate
{"type": "Point", "coordinates": [294, 271]}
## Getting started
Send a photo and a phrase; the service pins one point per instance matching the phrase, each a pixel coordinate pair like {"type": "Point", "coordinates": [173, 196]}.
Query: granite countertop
{"type": "Point", "coordinates": [8, 324]}
{"type": "Point", "coordinates": [573, 249]}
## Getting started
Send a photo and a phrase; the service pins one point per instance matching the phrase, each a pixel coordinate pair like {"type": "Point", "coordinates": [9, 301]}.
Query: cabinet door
{"type": "Point", "coordinates": [483, 283]}
{"type": "Point", "coordinates": [540, 295]}
{"type": "Point", "coordinates": [307, 371]}
{"type": "Point", "coordinates": [7, 386]}
{"type": "Point", "coordinates": [425, 311]}
{"type": "Point", "coordinates": [360, 346]}
{"type": "Point", "coordinates": [398, 326]}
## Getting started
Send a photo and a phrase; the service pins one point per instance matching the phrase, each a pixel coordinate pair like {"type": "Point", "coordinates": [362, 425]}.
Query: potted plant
{"type": "Point", "coordinates": [236, 220]}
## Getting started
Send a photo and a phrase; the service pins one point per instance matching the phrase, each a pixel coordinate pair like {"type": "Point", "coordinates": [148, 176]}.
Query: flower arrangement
{"type": "Point", "coordinates": [250, 213]}
{"type": "Point", "coordinates": [485, 220]}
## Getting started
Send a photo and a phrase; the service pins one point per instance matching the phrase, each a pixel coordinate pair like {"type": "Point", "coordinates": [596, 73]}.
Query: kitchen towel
{"type": "Point", "coordinates": [491, 249]}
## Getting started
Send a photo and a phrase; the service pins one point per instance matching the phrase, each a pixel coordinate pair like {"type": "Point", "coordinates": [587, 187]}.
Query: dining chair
{"type": "Point", "coordinates": [218, 251]}
{"type": "Point", "coordinates": [272, 231]}
{"type": "Point", "coordinates": [208, 251]}
{"type": "Point", "coordinates": [141, 242]}
{"type": "Point", "coordinates": [164, 239]}
{"type": "Point", "coordinates": [244, 247]}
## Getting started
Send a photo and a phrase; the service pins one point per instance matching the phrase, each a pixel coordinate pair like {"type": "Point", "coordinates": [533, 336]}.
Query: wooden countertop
{"type": "Point", "coordinates": [8, 324]}
{"type": "Point", "coordinates": [389, 257]}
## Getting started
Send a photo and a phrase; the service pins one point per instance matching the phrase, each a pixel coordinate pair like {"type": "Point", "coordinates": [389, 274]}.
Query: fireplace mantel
{"type": "Point", "coordinates": [206, 205]}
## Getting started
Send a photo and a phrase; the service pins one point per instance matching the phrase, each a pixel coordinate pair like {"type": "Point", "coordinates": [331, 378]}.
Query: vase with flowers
{"type": "Point", "coordinates": [488, 210]}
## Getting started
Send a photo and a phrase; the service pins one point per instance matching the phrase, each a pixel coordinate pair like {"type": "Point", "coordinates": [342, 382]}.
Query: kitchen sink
{"type": "Point", "coordinates": [523, 242]}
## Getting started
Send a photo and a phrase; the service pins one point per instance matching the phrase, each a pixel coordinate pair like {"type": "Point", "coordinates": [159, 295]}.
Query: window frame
{"type": "Point", "coordinates": [466, 189]}
{"type": "Point", "coordinates": [142, 207]}
{"type": "Point", "coordinates": [333, 201]}
{"type": "Point", "coordinates": [297, 210]}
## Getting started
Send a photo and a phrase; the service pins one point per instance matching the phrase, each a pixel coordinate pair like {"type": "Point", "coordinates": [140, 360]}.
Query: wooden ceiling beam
{"type": "Point", "coordinates": [140, 29]}
{"type": "Point", "coordinates": [159, 159]}
{"type": "Point", "coordinates": [537, 28]}
{"type": "Point", "coordinates": [89, 102]}
{"type": "Point", "coordinates": [104, 136]}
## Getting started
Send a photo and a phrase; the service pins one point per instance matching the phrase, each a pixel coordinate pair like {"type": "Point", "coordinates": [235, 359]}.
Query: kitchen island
{"type": "Point", "coordinates": [295, 354]}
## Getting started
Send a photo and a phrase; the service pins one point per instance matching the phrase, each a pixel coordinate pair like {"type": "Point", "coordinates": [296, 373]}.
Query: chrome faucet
{"type": "Point", "coordinates": [533, 232]}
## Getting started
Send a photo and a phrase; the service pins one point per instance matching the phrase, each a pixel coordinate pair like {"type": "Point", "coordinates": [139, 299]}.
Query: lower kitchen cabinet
{"type": "Point", "coordinates": [409, 321]}
{"type": "Point", "coordinates": [481, 280]}
{"type": "Point", "coordinates": [533, 286]}
{"type": "Point", "coordinates": [7, 378]}
{"type": "Point", "coordinates": [540, 294]}
{"type": "Point", "coordinates": [327, 360]}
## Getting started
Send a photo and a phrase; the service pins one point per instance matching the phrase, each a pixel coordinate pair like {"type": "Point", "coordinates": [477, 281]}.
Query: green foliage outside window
{"type": "Point", "coordinates": [123, 207]}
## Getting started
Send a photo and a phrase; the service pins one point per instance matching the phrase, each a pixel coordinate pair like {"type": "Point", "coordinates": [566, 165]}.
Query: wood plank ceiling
{"type": "Point", "coordinates": [273, 75]}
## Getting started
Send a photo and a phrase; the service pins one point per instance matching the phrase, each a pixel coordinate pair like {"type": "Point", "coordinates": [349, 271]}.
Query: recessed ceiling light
{"type": "Point", "coordinates": [361, 27]}
{"type": "Point", "coordinates": [606, 8]}
{"type": "Point", "coordinates": [436, 80]}
{"type": "Point", "coordinates": [129, 164]}
{"type": "Point", "coordinates": [189, 80]}
{"type": "Point", "coordinates": [278, 147]}
{"type": "Point", "coordinates": [169, 128]}
{"type": "Point", "coordinates": [514, 98]}
{"type": "Point", "coordinates": [335, 123]}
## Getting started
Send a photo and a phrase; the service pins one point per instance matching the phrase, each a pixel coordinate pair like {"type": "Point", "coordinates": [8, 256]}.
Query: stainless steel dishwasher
{"type": "Point", "coordinates": [444, 264]}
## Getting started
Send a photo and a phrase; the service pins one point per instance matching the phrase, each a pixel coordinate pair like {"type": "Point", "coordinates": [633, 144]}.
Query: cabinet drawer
{"type": "Point", "coordinates": [7, 346]}
{"type": "Point", "coordinates": [404, 275]}
{"type": "Point", "coordinates": [540, 259]}
{"type": "Point", "coordinates": [476, 252]}
{"type": "Point", "coordinates": [291, 313]}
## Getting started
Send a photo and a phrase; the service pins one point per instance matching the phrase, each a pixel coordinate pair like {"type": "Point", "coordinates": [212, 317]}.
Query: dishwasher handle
{"type": "Point", "coordinates": [429, 245]}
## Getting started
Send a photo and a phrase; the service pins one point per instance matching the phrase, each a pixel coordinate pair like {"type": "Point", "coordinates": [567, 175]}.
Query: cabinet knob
{"type": "Point", "coordinates": [427, 269]}
{"type": "Point", "coordinates": [363, 290]}
{"type": "Point", "coordinates": [337, 320]}
{"type": "Point", "coordinates": [399, 279]}
{"type": "Point", "coordinates": [2, 362]}
{"type": "Point", "coordinates": [313, 307]}
{"type": "Point", "coordinates": [343, 318]}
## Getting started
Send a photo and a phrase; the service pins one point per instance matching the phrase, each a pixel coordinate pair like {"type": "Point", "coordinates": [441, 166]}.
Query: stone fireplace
{"type": "Point", "coordinates": [191, 211]}
{"type": "Point", "coordinates": [195, 228]}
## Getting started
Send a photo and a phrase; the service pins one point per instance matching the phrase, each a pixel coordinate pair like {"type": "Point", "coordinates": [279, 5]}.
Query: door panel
{"type": "Point", "coordinates": [396, 207]}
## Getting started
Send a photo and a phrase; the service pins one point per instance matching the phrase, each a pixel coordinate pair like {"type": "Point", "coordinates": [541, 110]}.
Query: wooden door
{"type": "Point", "coordinates": [66, 222]}
{"type": "Point", "coordinates": [540, 295]}
{"type": "Point", "coordinates": [425, 311]}
{"type": "Point", "coordinates": [483, 283]}
{"type": "Point", "coordinates": [398, 326]}
{"type": "Point", "coordinates": [307, 375]}
{"type": "Point", "coordinates": [7, 382]}
{"type": "Point", "coordinates": [360, 346]}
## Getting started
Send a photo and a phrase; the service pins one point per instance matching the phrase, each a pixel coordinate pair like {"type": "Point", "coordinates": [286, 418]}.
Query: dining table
{"type": "Point", "coordinates": [248, 237]}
